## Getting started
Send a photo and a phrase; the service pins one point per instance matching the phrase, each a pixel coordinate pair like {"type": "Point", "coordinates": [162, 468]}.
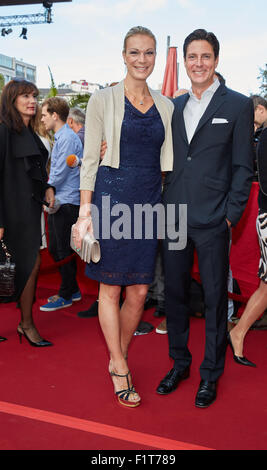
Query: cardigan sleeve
{"type": "Point", "coordinates": [92, 142]}
{"type": "Point", "coordinates": [166, 108]}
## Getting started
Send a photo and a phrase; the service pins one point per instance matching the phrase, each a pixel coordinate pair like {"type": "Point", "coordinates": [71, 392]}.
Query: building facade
{"type": "Point", "coordinates": [84, 87]}
{"type": "Point", "coordinates": [10, 67]}
{"type": "Point", "coordinates": [70, 92]}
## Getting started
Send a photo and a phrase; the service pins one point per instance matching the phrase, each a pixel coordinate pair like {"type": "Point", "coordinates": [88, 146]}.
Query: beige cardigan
{"type": "Point", "coordinates": [104, 116]}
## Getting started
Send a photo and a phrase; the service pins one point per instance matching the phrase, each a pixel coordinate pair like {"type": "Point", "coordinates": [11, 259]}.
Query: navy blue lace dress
{"type": "Point", "coordinates": [128, 253]}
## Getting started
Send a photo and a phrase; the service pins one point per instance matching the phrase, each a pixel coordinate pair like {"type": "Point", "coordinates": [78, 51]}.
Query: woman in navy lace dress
{"type": "Point", "coordinates": [136, 123]}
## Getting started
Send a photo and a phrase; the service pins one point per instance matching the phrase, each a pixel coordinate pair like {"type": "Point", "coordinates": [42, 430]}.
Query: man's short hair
{"type": "Point", "coordinates": [202, 35]}
{"type": "Point", "coordinates": [257, 99]}
{"type": "Point", "coordinates": [77, 115]}
{"type": "Point", "coordinates": [57, 105]}
{"type": "Point", "coordinates": [220, 77]}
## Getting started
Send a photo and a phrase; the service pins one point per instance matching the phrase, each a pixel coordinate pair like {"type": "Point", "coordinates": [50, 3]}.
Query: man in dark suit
{"type": "Point", "coordinates": [212, 174]}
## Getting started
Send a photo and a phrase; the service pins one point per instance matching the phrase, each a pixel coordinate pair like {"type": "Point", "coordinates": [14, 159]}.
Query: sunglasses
{"type": "Point", "coordinates": [17, 79]}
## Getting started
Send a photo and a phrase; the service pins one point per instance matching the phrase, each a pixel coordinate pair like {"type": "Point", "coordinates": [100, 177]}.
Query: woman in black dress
{"type": "Point", "coordinates": [257, 303]}
{"type": "Point", "coordinates": [136, 123]}
{"type": "Point", "coordinates": [23, 189]}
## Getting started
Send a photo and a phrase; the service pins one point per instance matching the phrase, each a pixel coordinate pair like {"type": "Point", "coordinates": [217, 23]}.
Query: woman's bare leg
{"type": "Point", "coordinates": [109, 319]}
{"type": "Point", "coordinates": [254, 309]}
{"type": "Point", "coordinates": [110, 322]}
{"type": "Point", "coordinates": [131, 313]}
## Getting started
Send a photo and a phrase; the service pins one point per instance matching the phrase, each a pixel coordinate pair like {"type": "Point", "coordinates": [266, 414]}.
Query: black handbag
{"type": "Point", "coordinates": [7, 274]}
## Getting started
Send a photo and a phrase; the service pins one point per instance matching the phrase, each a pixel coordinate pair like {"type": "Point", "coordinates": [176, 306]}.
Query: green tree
{"type": "Point", "coordinates": [80, 101]}
{"type": "Point", "coordinates": [2, 82]}
{"type": "Point", "coordinates": [263, 78]}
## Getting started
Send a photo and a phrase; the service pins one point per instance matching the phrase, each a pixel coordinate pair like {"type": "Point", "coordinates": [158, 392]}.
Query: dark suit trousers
{"type": "Point", "coordinates": [59, 226]}
{"type": "Point", "coordinates": [212, 246]}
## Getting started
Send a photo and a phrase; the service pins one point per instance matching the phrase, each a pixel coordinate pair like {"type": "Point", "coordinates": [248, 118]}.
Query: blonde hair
{"type": "Point", "coordinates": [138, 30]}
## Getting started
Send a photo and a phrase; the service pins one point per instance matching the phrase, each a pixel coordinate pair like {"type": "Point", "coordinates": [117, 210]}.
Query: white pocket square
{"type": "Point", "coordinates": [219, 121]}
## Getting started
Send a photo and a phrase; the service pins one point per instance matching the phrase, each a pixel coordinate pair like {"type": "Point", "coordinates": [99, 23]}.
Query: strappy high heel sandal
{"type": "Point", "coordinates": [125, 395]}
{"type": "Point", "coordinates": [39, 344]}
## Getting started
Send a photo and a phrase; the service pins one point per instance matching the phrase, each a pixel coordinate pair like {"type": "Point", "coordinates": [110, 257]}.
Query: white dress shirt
{"type": "Point", "coordinates": [195, 108]}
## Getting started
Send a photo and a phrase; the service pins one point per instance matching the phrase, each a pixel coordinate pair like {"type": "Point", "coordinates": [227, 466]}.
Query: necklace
{"type": "Point", "coordinates": [141, 102]}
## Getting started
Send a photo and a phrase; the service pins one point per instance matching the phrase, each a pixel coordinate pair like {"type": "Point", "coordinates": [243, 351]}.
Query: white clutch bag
{"type": "Point", "coordinates": [90, 250]}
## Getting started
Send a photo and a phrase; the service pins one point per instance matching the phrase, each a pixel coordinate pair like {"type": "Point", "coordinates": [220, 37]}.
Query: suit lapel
{"type": "Point", "coordinates": [217, 100]}
{"type": "Point", "coordinates": [179, 125]}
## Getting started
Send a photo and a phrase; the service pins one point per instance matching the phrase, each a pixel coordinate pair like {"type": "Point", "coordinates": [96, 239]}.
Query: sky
{"type": "Point", "coordinates": [86, 36]}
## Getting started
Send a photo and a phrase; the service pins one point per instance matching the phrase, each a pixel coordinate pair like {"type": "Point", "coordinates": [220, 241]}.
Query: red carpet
{"type": "Point", "coordinates": [62, 397]}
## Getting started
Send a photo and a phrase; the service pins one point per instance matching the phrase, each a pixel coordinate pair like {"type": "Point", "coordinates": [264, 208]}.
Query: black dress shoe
{"type": "Point", "coordinates": [172, 380]}
{"type": "Point", "coordinates": [2, 338]}
{"type": "Point", "coordinates": [242, 360]}
{"type": "Point", "coordinates": [206, 394]}
{"type": "Point", "coordinates": [143, 328]}
{"type": "Point", "coordinates": [91, 312]}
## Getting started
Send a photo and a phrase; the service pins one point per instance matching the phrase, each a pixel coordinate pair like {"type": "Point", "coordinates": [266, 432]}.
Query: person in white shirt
{"type": "Point", "coordinates": [213, 159]}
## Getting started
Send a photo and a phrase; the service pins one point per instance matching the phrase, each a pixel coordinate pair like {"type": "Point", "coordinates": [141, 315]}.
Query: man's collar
{"type": "Point", "coordinates": [212, 88]}
{"type": "Point", "coordinates": [60, 130]}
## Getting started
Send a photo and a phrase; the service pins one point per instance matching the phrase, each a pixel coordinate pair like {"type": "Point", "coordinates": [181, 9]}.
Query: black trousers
{"type": "Point", "coordinates": [212, 246]}
{"type": "Point", "coordinates": [59, 229]}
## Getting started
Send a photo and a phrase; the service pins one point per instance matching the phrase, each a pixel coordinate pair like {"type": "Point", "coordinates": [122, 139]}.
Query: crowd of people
{"type": "Point", "coordinates": [135, 147]}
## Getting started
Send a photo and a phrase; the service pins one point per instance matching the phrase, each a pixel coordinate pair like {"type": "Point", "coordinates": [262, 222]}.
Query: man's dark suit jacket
{"type": "Point", "coordinates": [212, 174]}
